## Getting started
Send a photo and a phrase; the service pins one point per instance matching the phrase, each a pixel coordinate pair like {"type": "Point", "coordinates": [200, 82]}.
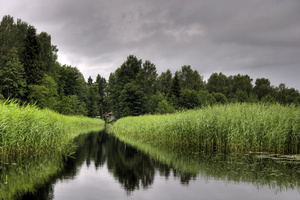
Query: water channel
{"type": "Point", "coordinates": [103, 167]}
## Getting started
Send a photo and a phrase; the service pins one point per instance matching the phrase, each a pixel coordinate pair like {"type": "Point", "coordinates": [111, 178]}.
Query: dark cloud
{"type": "Point", "coordinates": [259, 38]}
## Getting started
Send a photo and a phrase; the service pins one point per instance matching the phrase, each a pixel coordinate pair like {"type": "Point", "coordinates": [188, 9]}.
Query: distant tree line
{"type": "Point", "coordinates": [29, 72]}
{"type": "Point", "coordinates": [135, 88]}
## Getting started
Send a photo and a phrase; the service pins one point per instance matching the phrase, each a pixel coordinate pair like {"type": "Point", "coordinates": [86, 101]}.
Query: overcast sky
{"type": "Point", "coordinates": [260, 38]}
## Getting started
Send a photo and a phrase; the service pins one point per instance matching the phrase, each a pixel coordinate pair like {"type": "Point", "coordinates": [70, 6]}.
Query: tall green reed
{"type": "Point", "coordinates": [233, 127]}
{"type": "Point", "coordinates": [27, 129]}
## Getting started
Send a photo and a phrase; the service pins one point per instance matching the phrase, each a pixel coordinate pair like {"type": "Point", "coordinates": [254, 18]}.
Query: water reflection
{"type": "Point", "coordinates": [139, 168]}
{"type": "Point", "coordinates": [22, 174]}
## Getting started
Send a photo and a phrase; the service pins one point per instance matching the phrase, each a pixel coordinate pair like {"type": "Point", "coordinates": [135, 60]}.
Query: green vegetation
{"type": "Point", "coordinates": [232, 127]}
{"type": "Point", "coordinates": [27, 129]}
{"type": "Point", "coordinates": [30, 73]}
{"type": "Point", "coordinates": [32, 139]}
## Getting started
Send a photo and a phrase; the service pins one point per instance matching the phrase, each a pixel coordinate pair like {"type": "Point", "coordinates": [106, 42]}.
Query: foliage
{"type": "Point", "coordinates": [189, 99]}
{"type": "Point", "coordinates": [147, 78]}
{"type": "Point", "coordinates": [164, 107]}
{"type": "Point", "coordinates": [220, 98]}
{"type": "Point", "coordinates": [30, 57]}
{"type": "Point", "coordinates": [72, 105]}
{"type": "Point", "coordinates": [206, 99]}
{"type": "Point", "coordinates": [218, 83]}
{"type": "Point", "coordinates": [93, 100]}
{"type": "Point", "coordinates": [131, 100]}
{"type": "Point", "coordinates": [153, 102]}
{"type": "Point", "coordinates": [12, 75]}
{"type": "Point", "coordinates": [44, 95]}
{"type": "Point", "coordinates": [232, 127]}
{"type": "Point", "coordinates": [30, 73]}
{"type": "Point", "coordinates": [164, 82]}
{"type": "Point", "coordinates": [262, 87]}
{"type": "Point", "coordinates": [240, 83]}
{"type": "Point", "coordinates": [190, 79]}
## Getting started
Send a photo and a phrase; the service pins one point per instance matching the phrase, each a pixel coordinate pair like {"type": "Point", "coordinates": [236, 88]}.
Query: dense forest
{"type": "Point", "coordinates": [30, 73]}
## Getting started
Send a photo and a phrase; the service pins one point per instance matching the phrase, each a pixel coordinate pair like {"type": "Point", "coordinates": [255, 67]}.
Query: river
{"type": "Point", "coordinates": [102, 167]}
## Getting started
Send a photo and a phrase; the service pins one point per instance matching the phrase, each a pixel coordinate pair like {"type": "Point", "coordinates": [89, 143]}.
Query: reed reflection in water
{"type": "Point", "coordinates": [106, 168]}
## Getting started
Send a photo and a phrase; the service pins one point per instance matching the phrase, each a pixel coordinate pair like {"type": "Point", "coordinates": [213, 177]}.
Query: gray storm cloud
{"type": "Point", "coordinates": [258, 38]}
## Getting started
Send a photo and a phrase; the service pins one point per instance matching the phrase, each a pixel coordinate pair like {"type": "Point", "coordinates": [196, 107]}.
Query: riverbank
{"type": "Point", "coordinates": [232, 127]}
{"type": "Point", "coordinates": [29, 130]}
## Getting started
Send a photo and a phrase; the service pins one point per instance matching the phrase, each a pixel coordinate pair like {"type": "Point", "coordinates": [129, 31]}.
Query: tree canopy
{"type": "Point", "coordinates": [29, 72]}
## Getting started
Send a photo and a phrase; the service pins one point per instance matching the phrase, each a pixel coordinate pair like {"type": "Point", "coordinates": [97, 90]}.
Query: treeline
{"type": "Point", "coordinates": [30, 72]}
{"type": "Point", "coordinates": [135, 88]}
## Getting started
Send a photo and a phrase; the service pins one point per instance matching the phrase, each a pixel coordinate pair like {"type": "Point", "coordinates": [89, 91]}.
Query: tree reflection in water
{"type": "Point", "coordinates": [135, 170]}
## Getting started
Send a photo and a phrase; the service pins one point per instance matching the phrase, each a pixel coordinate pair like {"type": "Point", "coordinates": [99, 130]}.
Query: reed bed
{"type": "Point", "coordinates": [27, 129]}
{"type": "Point", "coordinates": [232, 127]}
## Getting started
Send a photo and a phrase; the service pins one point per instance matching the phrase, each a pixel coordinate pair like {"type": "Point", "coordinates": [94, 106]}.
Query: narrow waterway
{"type": "Point", "coordinates": [103, 167]}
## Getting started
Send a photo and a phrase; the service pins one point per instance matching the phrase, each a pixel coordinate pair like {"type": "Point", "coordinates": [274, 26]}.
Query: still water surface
{"type": "Point", "coordinates": [105, 168]}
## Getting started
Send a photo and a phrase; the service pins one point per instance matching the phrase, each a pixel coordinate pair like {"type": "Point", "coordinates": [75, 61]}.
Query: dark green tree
{"type": "Point", "coordinates": [205, 98]}
{"type": "Point", "coordinates": [93, 100]}
{"type": "Point", "coordinates": [218, 83]}
{"type": "Point", "coordinates": [287, 95]}
{"type": "Point", "coordinates": [292, 97]}
{"type": "Point", "coordinates": [164, 107]}
{"type": "Point", "coordinates": [189, 99]}
{"type": "Point", "coordinates": [175, 91]}
{"type": "Point", "coordinates": [190, 79]}
{"type": "Point", "coordinates": [7, 34]}
{"type": "Point", "coordinates": [71, 82]}
{"type": "Point", "coordinates": [175, 87]}
{"type": "Point", "coordinates": [102, 85]}
{"type": "Point", "coordinates": [128, 71]}
{"type": "Point", "coordinates": [72, 88]}
{"type": "Point", "coordinates": [147, 78]}
{"type": "Point", "coordinates": [48, 54]}
{"type": "Point", "coordinates": [90, 81]}
{"type": "Point", "coordinates": [31, 57]}
{"type": "Point", "coordinates": [113, 92]}
{"type": "Point", "coordinates": [71, 105]}
{"type": "Point", "coordinates": [153, 102]}
{"type": "Point", "coordinates": [12, 76]}
{"type": "Point", "coordinates": [262, 87]}
{"type": "Point", "coordinates": [44, 95]}
{"type": "Point", "coordinates": [220, 98]}
{"type": "Point", "coordinates": [240, 96]}
{"type": "Point", "coordinates": [268, 99]}
{"type": "Point", "coordinates": [240, 83]}
{"type": "Point", "coordinates": [21, 33]}
{"type": "Point", "coordinates": [164, 82]}
{"type": "Point", "coordinates": [12, 35]}
{"type": "Point", "coordinates": [131, 100]}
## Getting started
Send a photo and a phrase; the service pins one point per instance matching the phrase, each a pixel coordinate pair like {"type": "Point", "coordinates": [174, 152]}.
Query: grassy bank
{"type": "Point", "coordinates": [232, 127]}
{"type": "Point", "coordinates": [27, 129]}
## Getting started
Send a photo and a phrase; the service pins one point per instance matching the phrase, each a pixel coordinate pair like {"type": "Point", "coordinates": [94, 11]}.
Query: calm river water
{"type": "Point", "coordinates": [105, 168]}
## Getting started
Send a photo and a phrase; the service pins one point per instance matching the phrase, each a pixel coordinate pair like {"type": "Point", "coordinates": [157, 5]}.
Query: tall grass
{"type": "Point", "coordinates": [27, 129]}
{"type": "Point", "coordinates": [233, 127]}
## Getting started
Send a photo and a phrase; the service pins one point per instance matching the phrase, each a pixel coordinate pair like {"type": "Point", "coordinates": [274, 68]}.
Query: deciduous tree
{"type": "Point", "coordinates": [131, 100]}
{"type": "Point", "coordinates": [12, 76]}
{"type": "Point", "coordinates": [218, 82]}
{"type": "Point", "coordinates": [190, 79]}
